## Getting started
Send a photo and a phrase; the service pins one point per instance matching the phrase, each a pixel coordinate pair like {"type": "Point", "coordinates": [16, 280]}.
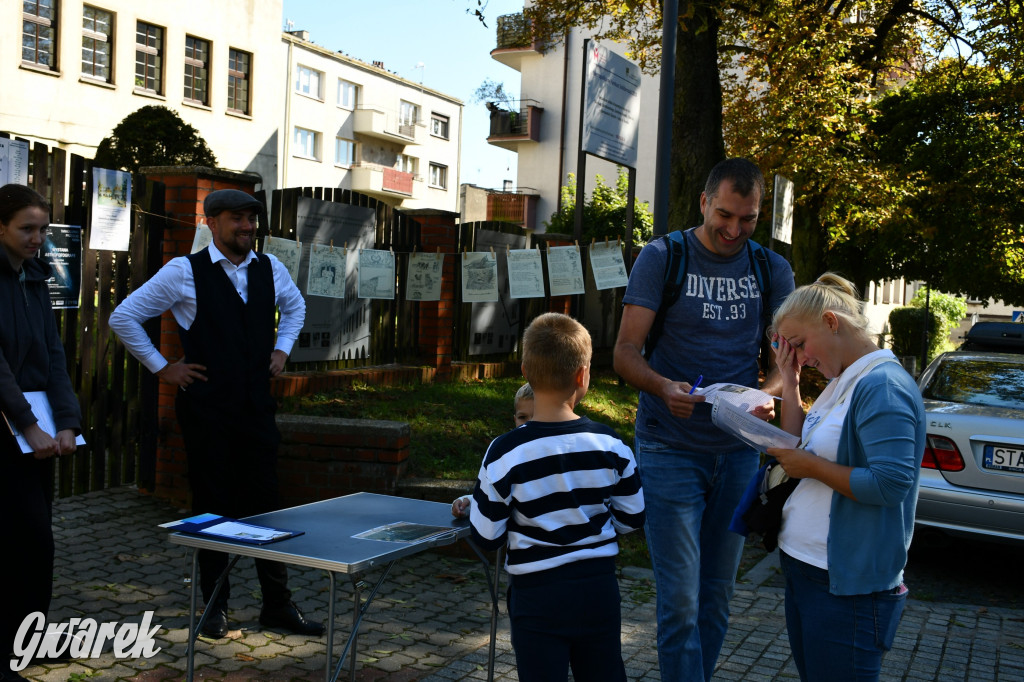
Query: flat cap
{"type": "Point", "coordinates": [229, 200]}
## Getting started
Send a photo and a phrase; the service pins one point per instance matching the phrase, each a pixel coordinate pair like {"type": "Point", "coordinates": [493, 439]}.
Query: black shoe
{"type": "Point", "coordinates": [216, 625]}
{"type": "Point", "coordinates": [288, 617]}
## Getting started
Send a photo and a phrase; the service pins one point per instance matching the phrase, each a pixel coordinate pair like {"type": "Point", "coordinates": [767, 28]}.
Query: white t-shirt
{"type": "Point", "coordinates": [805, 516]}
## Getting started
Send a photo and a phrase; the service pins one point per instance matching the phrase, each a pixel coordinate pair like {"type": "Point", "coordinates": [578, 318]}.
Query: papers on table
{"type": "Point", "coordinates": [730, 411]}
{"type": "Point", "coordinates": [404, 531]}
{"type": "Point", "coordinates": [216, 526]}
{"type": "Point", "coordinates": [44, 418]}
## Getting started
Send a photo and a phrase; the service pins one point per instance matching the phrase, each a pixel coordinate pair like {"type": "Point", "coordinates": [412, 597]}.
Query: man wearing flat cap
{"type": "Point", "coordinates": [224, 299]}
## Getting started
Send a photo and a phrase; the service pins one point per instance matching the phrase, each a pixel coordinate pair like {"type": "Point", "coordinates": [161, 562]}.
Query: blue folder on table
{"type": "Point", "coordinates": [225, 528]}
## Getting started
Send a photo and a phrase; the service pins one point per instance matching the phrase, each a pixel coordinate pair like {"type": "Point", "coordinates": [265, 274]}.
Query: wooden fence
{"type": "Point", "coordinates": [119, 397]}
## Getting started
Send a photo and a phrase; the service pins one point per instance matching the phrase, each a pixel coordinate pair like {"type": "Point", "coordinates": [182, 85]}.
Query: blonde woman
{"type": "Point", "coordinates": [847, 526]}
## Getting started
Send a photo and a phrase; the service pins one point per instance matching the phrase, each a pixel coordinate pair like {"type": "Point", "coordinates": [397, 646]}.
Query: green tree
{"type": "Point", "coordinates": [951, 310]}
{"type": "Point", "coordinates": [957, 134]}
{"type": "Point", "coordinates": [153, 136]}
{"type": "Point", "coordinates": [604, 213]}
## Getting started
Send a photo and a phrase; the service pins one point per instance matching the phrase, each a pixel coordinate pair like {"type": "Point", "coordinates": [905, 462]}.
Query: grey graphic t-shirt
{"type": "Point", "coordinates": [714, 329]}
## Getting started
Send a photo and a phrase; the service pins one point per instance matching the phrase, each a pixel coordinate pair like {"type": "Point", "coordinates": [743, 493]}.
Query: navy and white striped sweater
{"type": "Point", "coordinates": [559, 492]}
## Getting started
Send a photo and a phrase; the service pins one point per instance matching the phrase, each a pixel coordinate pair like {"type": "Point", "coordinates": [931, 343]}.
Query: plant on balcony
{"type": "Point", "coordinates": [604, 213]}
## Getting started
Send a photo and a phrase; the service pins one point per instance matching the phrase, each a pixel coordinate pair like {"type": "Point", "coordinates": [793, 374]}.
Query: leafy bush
{"type": "Point", "coordinates": [907, 324]}
{"type": "Point", "coordinates": [153, 136]}
{"type": "Point", "coordinates": [604, 214]}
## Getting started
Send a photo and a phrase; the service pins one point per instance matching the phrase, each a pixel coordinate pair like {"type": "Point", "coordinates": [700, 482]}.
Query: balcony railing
{"type": "Point", "coordinates": [383, 181]}
{"type": "Point", "coordinates": [514, 31]}
{"type": "Point", "coordinates": [510, 127]}
{"type": "Point", "coordinates": [376, 122]}
{"type": "Point", "coordinates": [514, 207]}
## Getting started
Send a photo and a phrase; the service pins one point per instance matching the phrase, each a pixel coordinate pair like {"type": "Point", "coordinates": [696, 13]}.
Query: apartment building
{"type": "Point", "coordinates": [71, 71]}
{"type": "Point", "coordinates": [358, 126]}
{"type": "Point", "coordinates": [543, 127]}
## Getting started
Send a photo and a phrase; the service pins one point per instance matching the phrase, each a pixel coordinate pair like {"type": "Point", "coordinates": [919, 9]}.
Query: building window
{"type": "Point", "coordinates": [149, 57]}
{"type": "Point", "coordinates": [97, 42]}
{"type": "Point", "coordinates": [307, 144]}
{"type": "Point", "coordinates": [39, 33]}
{"type": "Point", "coordinates": [438, 176]}
{"type": "Point", "coordinates": [439, 125]}
{"type": "Point", "coordinates": [197, 69]}
{"type": "Point", "coordinates": [348, 94]}
{"type": "Point", "coordinates": [406, 164]}
{"type": "Point", "coordinates": [239, 64]}
{"type": "Point", "coordinates": [344, 152]}
{"type": "Point", "coordinates": [309, 82]}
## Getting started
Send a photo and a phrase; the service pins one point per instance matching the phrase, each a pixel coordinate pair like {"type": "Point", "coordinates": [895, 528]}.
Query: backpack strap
{"type": "Point", "coordinates": [758, 256]}
{"type": "Point", "coordinates": [675, 271]}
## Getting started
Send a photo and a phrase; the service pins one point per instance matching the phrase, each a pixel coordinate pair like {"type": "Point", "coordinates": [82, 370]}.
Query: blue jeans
{"type": "Point", "coordinates": [837, 637]}
{"type": "Point", "coordinates": [690, 499]}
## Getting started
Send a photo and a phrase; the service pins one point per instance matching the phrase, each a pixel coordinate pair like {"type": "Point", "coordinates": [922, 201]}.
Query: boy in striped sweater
{"type": "Point", "coordinates": [558, 490]}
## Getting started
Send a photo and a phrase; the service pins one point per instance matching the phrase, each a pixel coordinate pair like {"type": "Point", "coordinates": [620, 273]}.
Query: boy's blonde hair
{"type": "Point", "coordinates": [555, 346]}
{"type": "Point", "coordinates": [525, 392]}
{"type": "Point", "coordinates": [831, 293]}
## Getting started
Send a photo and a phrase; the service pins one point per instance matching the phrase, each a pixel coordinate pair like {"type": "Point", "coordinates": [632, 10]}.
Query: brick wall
{"type": "Point", "coordinates": [324, 457]}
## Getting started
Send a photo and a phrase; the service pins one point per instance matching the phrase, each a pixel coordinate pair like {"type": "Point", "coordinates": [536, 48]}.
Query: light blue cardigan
{"type": "Point", "coordinates": [883, 439]}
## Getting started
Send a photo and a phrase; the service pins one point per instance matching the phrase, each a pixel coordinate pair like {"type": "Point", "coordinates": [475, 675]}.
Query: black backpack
{"type": "Point", "coordinates": [675, 272]}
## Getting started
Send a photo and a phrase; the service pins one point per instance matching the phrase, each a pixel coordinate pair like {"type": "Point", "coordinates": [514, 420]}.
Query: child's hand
{"type": "Point", "coordinates": [460, 507]}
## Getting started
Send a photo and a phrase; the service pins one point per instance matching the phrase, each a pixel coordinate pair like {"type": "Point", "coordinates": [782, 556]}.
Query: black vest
{"type": "Point", "coordinates": [233, 339]}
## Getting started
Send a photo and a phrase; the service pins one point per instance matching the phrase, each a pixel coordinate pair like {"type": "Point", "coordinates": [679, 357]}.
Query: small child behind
{"type": "Point", "coordinates": [522, 412]}
{"type": "Point", "coordinates": [571, 485]}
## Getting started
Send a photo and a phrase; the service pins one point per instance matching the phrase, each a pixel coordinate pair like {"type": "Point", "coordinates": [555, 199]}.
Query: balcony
{"type": "Point", "coordinates": [384, 125]}
{"type": "Point", "coordinates": [518, 207]}
{"type": "Point", "coordinates": [509, 129]}
{"type": "Point", "coordinates": [384, 182]}
{"type": "Point", "coordinates": [515, 41]}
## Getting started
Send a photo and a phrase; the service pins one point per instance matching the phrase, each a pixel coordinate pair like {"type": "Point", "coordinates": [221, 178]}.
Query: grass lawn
{"type": "Point", "coordinates": [453, 423]}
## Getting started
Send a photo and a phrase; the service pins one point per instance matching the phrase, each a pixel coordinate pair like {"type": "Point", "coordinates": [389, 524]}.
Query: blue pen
{"type": "Point", "coordinates": [695, 385]}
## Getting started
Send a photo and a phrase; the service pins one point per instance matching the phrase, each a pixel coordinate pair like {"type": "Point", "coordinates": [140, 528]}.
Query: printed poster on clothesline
{"type": "Point", "coordinates": [479, 277]}
{"type": "Point", "coordinates": [202, 239]}
{"type": "Point", "coordinates": [426, 271]}
{"type": "Point", "coordinates": [607, 265]}
{"type": "Point", "coordinates": [62, 249]}
{"type": "Point", "coordinates": [326, 271]}
{"type": "Point", "coordinates": [376, 274]}
{"type": "Point", "coordinates": [13, 162]}
{"type": "Point", "coordinates": [565, 270]}
{"type": "Point", "coordinates": [288, 251]}
{"type": "Point", "coordinates": [111, 224]}
{"type": "Point", "coordinates": [525, 273]}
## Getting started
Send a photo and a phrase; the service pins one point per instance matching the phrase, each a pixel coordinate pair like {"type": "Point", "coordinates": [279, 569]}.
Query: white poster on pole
{"type": "Point", "coordinates": [611, 118]}
{"type": "Point", "coordinates": [479, 277]}
{"type": "Point", "coordinates": [426, 274]}
{"type": "Point", "coordinates": [13, 162]}
{"type": "Point", "coordinates": [782, 210]}
{"type": "Point", "coordinates": [525, 273]}
{"type": "Point", "coordinates": [202, 238]}
{"type": "Point", "coordinates": [607, 265]}
{"type": "Point", "coordinates": [565, 270]}
{"type": "Point", "coordinates": [111, 224]}
{"type": "Point", "coordinates": [376, 274]}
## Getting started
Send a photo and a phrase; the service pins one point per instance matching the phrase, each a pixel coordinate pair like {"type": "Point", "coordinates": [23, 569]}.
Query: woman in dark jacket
{"type": "Point", "coordinates": [31, 360]}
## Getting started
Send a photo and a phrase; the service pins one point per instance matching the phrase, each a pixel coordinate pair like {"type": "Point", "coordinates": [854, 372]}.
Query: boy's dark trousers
{"type": "Point", "coordinates": [565, 617]}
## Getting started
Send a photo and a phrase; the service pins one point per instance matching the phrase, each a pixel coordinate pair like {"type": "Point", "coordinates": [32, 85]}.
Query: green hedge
{"type": "Point", "coordinates": [906, 325]}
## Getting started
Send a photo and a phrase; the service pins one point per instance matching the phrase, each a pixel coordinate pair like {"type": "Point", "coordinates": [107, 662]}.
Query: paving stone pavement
{"type": "Point", "coordinates": [430, 621]}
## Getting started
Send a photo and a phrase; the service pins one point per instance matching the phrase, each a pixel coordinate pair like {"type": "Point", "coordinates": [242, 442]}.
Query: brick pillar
{"type": "Point", "coordinates": [187, 187]}
{"type": "Point", "coordinates": [437, 318]}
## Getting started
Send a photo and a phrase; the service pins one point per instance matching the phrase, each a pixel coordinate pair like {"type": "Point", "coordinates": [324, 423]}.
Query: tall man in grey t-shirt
{"type": "Point", "coordinates": [693, 473]}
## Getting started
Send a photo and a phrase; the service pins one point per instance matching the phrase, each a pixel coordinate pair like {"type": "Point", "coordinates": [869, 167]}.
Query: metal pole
{"type": "Point", "coordinates": [666, 105]}
{"type": "Point", "coordinates": [581, 156]}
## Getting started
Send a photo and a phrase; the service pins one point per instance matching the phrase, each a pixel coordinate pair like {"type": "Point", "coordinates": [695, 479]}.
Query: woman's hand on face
{"type": "Point", "coordinates": [42, 444]}
{"type": "Point", "coordinates": [785, 358]}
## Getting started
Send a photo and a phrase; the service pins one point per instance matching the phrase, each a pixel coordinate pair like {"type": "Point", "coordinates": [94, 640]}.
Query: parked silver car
{"type": "Point", "coordinates": [972, 479]}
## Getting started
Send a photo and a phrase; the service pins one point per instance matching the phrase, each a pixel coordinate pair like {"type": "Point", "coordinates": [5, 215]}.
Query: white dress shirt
{"type": "Point", "coordinates": [173, 288]}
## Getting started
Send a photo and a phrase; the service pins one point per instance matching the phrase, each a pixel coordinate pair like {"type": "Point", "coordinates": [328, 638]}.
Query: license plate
{"type": "Point", "coordinates": [1004, 459]}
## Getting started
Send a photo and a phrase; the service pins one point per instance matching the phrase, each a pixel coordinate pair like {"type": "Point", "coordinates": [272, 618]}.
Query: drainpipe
{"type": "Point", "coordinates": [561, 132]}
{"type": "Point", "coordinates": [287, 119]}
